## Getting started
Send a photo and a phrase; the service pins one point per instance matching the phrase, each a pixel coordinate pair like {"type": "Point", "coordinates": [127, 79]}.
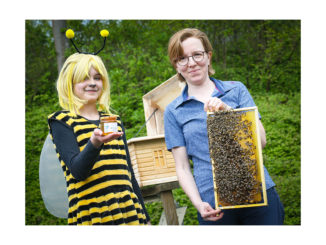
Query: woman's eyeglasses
{"type": "Point", "coordinates": [197, 57]}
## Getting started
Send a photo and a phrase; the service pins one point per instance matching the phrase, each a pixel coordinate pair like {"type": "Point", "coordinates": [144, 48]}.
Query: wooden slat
{"type": "Point", "coordinates": [152, 146]}
{"type": "Point", "coordinates": [168, 155]}
{"type": "Point", "coordinates": [146, 164]}
{"type": "Point", "coordinates": [151, 154]}
{"type": "Point", "coordinates": [157, 176]}
{"type": "Point", "coordinates": [131, 148]}
{"type": "Point", "coordinates": [159, 115]}
{"type": "Point", "coordinates": [135, 168]}
{"type": "Point", "coordinates": [150, 168]}
{"type": "Point", "coordinates": [145, 139]}
{"type": "Point", "coordinates": [170, 160]}
{"type": "Point", "coordinates": [133, 158]}
{"type": "Point", "coordinates": [145, 160]}
{"type": "Point", "coordinates": [144, 151]}
{"type": "Point", "coordinates": [156, 189]}
{"type": "Point", "coordinates": [159, 181]}
{"type": "Point", "coordinates": [155, 171]}
{"type": "Point", "coordinates": [154, 167]}
{"type": "Point", "coordinates": [145, 155]}
{"type": "Point", "coordinates": [151, 124]}
{"type": "Point", "coordinates": [237, 110]}
{"type": "Point", "coordinates": [171, 165]}
{"type": "Point", "coordinates": [139, 181]}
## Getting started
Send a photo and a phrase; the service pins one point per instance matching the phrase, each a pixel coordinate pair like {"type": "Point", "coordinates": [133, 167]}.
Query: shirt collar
{"type": "Point", "coordinates": [218, 92]}
{"type": "Point", "coordinates": [219, 88]}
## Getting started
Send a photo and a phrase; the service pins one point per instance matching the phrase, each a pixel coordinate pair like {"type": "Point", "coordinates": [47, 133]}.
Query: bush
{"type": "Point", "coordinates": [282, 155]}
{"type": "Point", "coordinates": [281, 119]}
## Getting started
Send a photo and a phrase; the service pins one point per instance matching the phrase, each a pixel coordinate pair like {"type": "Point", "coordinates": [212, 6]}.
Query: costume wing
{"type": "Point", "coordinates": [52, 181]}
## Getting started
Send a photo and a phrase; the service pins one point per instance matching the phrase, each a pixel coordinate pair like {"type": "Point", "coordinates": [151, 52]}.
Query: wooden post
{"type": "Point", "coordinates": [169, 207]}
{"type": "Point", "coordinates": [164, 191]}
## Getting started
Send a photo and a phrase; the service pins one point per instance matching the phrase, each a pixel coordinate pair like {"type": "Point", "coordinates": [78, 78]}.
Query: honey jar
{"type": "Point", "coordinates": [109, 124]}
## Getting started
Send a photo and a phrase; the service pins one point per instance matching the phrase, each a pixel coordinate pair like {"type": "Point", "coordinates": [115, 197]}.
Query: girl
{"type": "Point", "coordinates": [101, 185]}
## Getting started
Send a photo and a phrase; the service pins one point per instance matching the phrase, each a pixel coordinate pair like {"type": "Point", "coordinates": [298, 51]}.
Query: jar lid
{"type": "Point", "coordinates": [108, 118]}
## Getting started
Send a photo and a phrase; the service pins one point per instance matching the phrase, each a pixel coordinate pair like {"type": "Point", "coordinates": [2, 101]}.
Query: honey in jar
{"type": "Point", "coordinates": [109, 125]}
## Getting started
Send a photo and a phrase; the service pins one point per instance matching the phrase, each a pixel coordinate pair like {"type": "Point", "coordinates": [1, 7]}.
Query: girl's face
{"type": "Point", "coordinates": [194, 72]}
{"type": "Point", "coordinates": [91, 88]}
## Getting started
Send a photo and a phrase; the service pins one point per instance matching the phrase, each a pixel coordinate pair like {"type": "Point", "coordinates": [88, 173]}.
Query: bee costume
{"type": "Point", "coordinates": [101, 186]}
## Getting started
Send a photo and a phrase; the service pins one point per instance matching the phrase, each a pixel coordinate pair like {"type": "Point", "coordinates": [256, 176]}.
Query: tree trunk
{"type": "Point", "coordinates": [60, 41]}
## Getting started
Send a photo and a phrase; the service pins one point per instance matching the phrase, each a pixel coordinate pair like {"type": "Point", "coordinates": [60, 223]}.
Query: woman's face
{"type": "Point", "coordinates": [91, 88]}
{"type": "Point", "coordinates": [194, 72]}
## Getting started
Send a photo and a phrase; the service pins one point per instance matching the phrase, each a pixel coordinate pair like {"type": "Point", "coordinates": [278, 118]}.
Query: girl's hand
{"type": "Point", "coordinates": [98, 138]}
{"type": "Point", "coordinates": [215, 104]}
{"type": "Point", "coordinates": [208, 213]}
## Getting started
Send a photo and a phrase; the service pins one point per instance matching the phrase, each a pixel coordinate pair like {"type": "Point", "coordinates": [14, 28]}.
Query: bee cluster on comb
{"type": "Point", "coordinates": [233, 158]}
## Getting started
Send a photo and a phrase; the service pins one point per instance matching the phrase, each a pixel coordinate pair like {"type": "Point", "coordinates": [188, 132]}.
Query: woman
{"type": "Point", "coordinates": [101, 185]}
{"type": "Point", "coordinates": [190, 53]}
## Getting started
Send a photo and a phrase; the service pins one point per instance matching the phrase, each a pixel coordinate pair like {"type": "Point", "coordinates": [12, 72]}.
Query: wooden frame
{"type": "Point", "coordinates": [252, 116]}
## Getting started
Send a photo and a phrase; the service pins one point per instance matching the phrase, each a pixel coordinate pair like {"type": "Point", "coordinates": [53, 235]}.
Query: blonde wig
{"type": "Point", "coordinates": [175, 49]}
{"type": "Point", "coordinates": [75, 69]}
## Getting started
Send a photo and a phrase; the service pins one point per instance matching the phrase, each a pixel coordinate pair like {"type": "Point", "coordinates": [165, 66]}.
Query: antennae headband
{"type": "Point", "coordinates": [70, 35]}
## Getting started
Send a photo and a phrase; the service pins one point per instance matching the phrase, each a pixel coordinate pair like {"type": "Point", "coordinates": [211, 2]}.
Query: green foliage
{"type": "Point", "coordinates": [279, 120]}
{"type": "Point", "coordinates": [41, 66]}
{"type": "Point", "coordinates": [183, 201]}
{"type": "Point", "coordinates": [265, 55]}
{"type": "Point", "coordinates": [282, 155]}
{"type": "Point", "coordinates": [154, 210]}
{"type": "Point", "coordinates": [288, 188]}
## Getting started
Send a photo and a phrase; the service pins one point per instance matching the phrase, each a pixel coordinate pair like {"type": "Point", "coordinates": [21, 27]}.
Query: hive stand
{"type": "Point", "coordinates": [153, 164]}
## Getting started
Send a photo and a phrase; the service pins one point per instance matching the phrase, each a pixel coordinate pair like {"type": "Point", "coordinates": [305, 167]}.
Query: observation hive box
{"type": "Point", "coordinates": [236, 156]}
{"type": "Point", "coordinates": [151, 161]}
{"type": "Point", "coordinates": [159, 98]}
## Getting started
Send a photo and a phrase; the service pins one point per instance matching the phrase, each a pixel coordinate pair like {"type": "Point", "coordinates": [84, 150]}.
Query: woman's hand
{"type": "Point", "coordinates": [215, 104]}
{"type": "Point", "coordinates": [98, 138]}
{"type": "Point", "coordinates": [208, 213]}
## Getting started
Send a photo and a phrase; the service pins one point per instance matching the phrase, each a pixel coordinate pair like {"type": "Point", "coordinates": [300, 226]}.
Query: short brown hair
{"type": "Point", "coordinates": [175, 50]}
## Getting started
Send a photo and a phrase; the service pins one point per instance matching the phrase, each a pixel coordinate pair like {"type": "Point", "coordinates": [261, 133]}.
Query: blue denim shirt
{"type": "Point", "coordinates": [185, 125]}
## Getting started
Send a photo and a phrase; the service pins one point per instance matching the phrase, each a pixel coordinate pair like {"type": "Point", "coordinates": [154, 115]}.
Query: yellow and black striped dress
{"type": "Point", "coordinates": [106, 196]}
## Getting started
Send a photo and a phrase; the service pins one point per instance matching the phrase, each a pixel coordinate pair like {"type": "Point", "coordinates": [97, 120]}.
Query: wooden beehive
{"type": "Point", "coordinates": [151, 161]}
{"type": "Point", "coordinates": [250, 146]}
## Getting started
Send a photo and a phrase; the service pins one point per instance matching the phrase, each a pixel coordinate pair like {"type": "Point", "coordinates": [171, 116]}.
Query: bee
{"type": "Point", "coordinates": [234, 169]}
